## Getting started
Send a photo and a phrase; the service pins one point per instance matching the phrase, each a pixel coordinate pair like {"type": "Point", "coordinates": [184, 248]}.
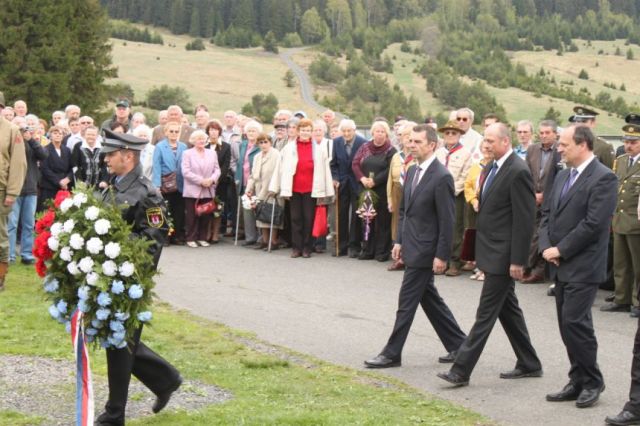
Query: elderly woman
{"type": "Point", "coordinates": [371, 168]}
{"type": "Point", "coordinates": [201, 173]}
{"type": "Point", "coordinates": [400, 163]}
{"type": "Point", "coordinates": [143, 131]}
{"type": "Point", "coordinates": [292, 129]}
{"type": "Point", "coordinates": [246, 152]}
{"type": "Point", "coordinates": [319, 138]}
{"type": "Point", "coordinates": [306, 178]}
{"type": "Point", "coordinates": [263, 183]}
{"type": "Point", "coordinates": [57, 169]}
{"type": "Point", "coordinates": [223, 151]}
{"type": "Point", "coordinates": [167, 175]}
{"type": "Point", "coordinates": [88, 160]}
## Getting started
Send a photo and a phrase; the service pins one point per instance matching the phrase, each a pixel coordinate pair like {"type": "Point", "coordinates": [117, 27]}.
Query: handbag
{"type": "Point", "coordinates": [204, 208]}
{"type": "Point", "coordinates": [264, 211]}
{"type": "Point", "coordinates": [169, 183]}
{"type": "Point", "coordinates": [320, 228]}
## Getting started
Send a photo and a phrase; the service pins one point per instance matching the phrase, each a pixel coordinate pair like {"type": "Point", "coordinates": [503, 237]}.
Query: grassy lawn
{"type": "Point", "coordinates": [266, 389]}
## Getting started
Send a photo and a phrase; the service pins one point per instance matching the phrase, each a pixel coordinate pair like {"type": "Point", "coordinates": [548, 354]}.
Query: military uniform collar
{"type": "Point", "coordinates": [128, 179]}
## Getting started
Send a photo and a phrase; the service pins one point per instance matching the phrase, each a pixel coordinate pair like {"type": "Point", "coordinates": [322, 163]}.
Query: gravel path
{"type": "Point", "coordinates": [45, 388]}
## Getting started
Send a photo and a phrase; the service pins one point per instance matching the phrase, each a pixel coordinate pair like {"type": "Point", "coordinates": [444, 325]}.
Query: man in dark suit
{"type": "Point", "coordinates": [504, 228]}
{"type": "Point", "coordinates": [542, 159]}
{"type": "Point", "coordinates": [349, 227]}
{"type": "Point", "coordinates": [574, 233]}
{"type": "Point", "coordinates": [425, 235]}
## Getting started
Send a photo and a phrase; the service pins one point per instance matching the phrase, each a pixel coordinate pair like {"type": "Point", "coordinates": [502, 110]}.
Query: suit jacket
{"type": "Point", "coordinates": [534, 159]}
{"type": "Point", "coordinates": [341, 162]}
{"type": "Point", "coordinates": [578, 224]}
{"type": "Point", "coordinates": [425, 225]}
{"type": "Point", "coordinates": [56, 167]}
{"type": "Point", "coordinates": [505, 219]}
{"type": "Point", "coordinates": [625, 219]}
{"type": "Point", "coordinates": [224, 161]}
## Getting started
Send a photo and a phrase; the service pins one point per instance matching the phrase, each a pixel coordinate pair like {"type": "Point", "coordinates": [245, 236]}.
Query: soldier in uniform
{"type": "Point", "coordinates": [626, 228]}
{"type": "Point", "coordinates": [601, 148]}
{"type": "Point", "coordinates": [146, 212]}
{"type": "Point", "coordinates": [13, 169]}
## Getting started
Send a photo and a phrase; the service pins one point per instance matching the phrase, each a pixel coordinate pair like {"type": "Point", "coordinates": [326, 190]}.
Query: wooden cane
{"type": "Point", "coordinates": [273, 213]}
{"type": "Point", "coordinates": [238, 219]}
{"type": "Point", "coordinates": [337, 215]}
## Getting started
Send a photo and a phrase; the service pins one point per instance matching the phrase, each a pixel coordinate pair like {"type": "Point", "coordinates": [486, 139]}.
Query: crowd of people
{"type": "Point", "coordinates": [313, 180]}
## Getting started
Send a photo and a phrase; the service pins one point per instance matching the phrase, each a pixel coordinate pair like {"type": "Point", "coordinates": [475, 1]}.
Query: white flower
{"type": "Point", "coordinates": [53, 243]}
{"type": "Point", "coordinates": [69, 225]}
{"type": "Point", "coordinates": [112, 250]}
{"type": "Point", "coordinates": [126, 269]}
{"type": "Point", "coordinates": [92, 278]}
{"type": "Point", "coordinates": [56, 229]}
{"type": "Point", "coordinates": [66, 253]}
{"type": "Point", "coordinates": [76, 241]}
{"type": "Point", "coordinates": [94, 245]}
{"type": "Point", "coordinates": [86, 264]}
{"type": "Point", "coordinates": [102, 226]}
{"type": "Point", "coordinates": [92, 213]}
{"type": "Point", "coordinates": [72, 267]}
{"type": "Point", "coordinates": [109, 268]}
{"type": "Point", "coordinates": [66, 205]}
{"type": "Point", "coordinates": [79, 199]}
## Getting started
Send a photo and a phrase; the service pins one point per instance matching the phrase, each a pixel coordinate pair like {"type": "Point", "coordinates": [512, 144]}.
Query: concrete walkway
{"type": "Point", "coordinates": [342, 310]}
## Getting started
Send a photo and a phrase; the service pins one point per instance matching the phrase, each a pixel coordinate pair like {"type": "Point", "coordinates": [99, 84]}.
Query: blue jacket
{"type": "Point", "coordinates": [341, 170]}
{"type": "Point", "coordinates": [165, 162]}
{"type": "Point", "coordinates": [240, 184]}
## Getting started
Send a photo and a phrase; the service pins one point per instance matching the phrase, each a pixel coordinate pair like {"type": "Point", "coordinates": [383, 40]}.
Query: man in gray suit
{"type": "Point", "coordinates": [503, 234]}
{"type": "Point", "coordinates": [574, 234]}
{"type": "Point", "coordinates": [425, 233]}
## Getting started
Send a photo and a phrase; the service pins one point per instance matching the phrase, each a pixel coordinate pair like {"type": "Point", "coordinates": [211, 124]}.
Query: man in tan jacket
{"type": "Point", "coordinates": [13, 168]}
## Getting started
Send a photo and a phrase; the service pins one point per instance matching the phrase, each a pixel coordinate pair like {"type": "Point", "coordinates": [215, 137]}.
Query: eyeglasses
{"type": "Point", "coordinates": [450, 133]}
{"type": "Point", "coordinates": [465, 119]}
{"type": "Point", "coordinates": [174, 131]}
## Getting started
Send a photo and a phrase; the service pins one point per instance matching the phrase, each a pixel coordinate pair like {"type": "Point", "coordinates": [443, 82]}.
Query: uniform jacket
{"type": "Point", "coordinates": [56, 167]}
{"type": "Point", "coordinates": [425, 226]}
{"type": "Point", "coordinates": [264, 178]}
{"type": "Point", "coordinates": [604, 152]}
{"type": "Point", "coordinates": [341, 170]}
{"type": "Point", "coordinates": [195, 169]}
{"type": "Point", "coordinates": [533, 160]}
{"type": "Point", "coordinates": [578, 224]}
{"type": "Point", "coordinates": [166, 162]}
{"type": "Point", "coordinates": [322, 182]}
{"type": "Point", "coordinates": [625, 219]}
{"type": "Point", "coordinates": [505, 219]}
{"type": "Point", "coordinates": [13, 160]}
{"type": "Point", "coordinates": [459, 164]}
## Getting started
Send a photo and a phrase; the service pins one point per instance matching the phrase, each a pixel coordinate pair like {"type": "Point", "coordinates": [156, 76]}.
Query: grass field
{"type": "Point", "coordinates": [218, 77]}
{"type": "Point", "coordinates": [267, 389]}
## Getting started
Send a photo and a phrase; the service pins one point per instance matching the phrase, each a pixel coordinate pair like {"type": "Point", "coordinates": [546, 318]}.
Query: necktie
{"type": "Point", "coordinates": [416, 179]}
{"type": "Point", "coordinates": [630, 162]}
{"type": "Point", "coordinates": [347, 146]}
{"type": "Point", "coordinates": [569, 183]}
{"type": "Point", "coordinates": [492, 174]}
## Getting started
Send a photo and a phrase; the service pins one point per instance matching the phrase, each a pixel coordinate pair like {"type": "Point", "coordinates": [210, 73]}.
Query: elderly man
{"type": "Point", "coordinates": [574, 233]}
{"type": "Point", "coordinates": [72, 111]}
{"type": "Point", "coordinates": [503, 234]}
{"type": "Point", "coordinates": [328, 116]}
{"type": "Point", "coordinates": [457, 159]}
{"type": "Point", "coordinates": [20, 108]}
{"type": "Point", "coordinates": [56, 116]}
{"type": "Point", "coordinates": [14, 170]}
{"type": "Point", "coordinates": [201, 120]}
{"type": "Point", "coordinates": [471, 139]}
{"type": "Point", "coordinates": [229, 121]}
{"type": "Point", "coordinates": [121, 115]}
{"type": "Point", "coordinates": [75, 135]}
{"type": "Point", "coordinates": [524, 132]}
{"type": "Point", "coordinates": [542, 159]}
{"type": "Point", "coordinates": [174, 115]}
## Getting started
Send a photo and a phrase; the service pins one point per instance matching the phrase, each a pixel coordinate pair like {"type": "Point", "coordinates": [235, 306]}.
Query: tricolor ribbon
{"type": "Point", "coordinates": [84, 387]}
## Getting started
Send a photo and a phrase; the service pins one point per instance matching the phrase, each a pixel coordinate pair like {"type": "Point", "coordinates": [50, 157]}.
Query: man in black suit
{"type": "Point", "coordinates": [574, 234]}
{"type": "Point", "coordinates": [349, 226]}
{"type": "Point", "coordinates": [504, 228]}
{"type": "Point", "coordinates": [425, 233]}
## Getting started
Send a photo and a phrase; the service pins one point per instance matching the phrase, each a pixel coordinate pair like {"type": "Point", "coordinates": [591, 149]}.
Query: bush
{"type": "Point", "coordinates": [269, 43]}
{"type": "Point", "coordinates": [584, 75]}
{"type": "Point", "coordinates": [118, 91]}
{"type": "Point", "coordinates": [126, 31]}
{"type": "Point", "coordinates": [404, 47]}
{"type": "Point", "coordinates": [323, 69]}
{"type": "Point", "coordinates": [262, 106]}
{"type": "Point", "coordinates": [196, 44]}
{"type": "Point", "coordinates": [289, 78]}
{"type": "Point", "coordinates": [161, 97]}
{"type": "Point", "coordinates": [630, 54]}
{"type": "Point", "coordinates": [291, 40]}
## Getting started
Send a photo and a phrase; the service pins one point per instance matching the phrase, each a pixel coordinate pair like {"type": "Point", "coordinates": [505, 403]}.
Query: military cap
{"type": "Point", "coordinates": [632, 118]}
{"type": "Point", "coordinates": [451, 125]}
{"type": "Point", "coordinates": [122, 103]}
{"type": "Point", "coordinates": [582, 114]}
{"type": "Point", "coordinates": [2, 100]}
{"type": "Point", "coordinates": [631, 131]}
{"type": "Point", "coordinates": [117, 141]}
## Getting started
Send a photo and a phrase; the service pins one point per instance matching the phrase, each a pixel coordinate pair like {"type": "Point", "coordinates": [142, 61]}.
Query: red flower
{"type": "Point", "coordinates": [41, 247]}
{"type": "Point", "coordinates": [45, 221]}
{"type": "Point", "coordinates": [41, 268]}
{"type": "Point", "coordinates": [60, 197]}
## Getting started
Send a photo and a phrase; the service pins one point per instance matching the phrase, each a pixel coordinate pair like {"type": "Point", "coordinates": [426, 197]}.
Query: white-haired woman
{"type": "Point", "coordinates": [247, 149]}
{"type": "Point", "coordinates": [371, 168]}
{"type": "Point", "coordinates": [201, 173]}
{"type": "Point", "coordinates": [319, 139]}
{"type": "Point", "coordinates": [143, 131]}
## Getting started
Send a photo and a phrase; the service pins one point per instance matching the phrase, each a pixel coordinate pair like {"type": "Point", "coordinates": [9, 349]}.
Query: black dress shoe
{"type": "Point", "coordinates": [364, 256]}
{"type": "Point", "coordinates": [635, 312]}
{"type": "Point", "coordinates": [353, 254]}
{"type": "Point", "coordinates": [248, 243]}
{"type": "Point", "coordinates": [588, 397]}
{"type": "Point", "coordinates": [615, 307]}
{"type": "Point", "coordinates": [610, 297]}
{"type": "Point", "coordinates": [163, 398]}
{"type": "Point", "coordinates": [568, 393]}
{"type": "Point", "coordinates": [341, 254]}
{"type": "Point", "coordinates": [624, 418]}
{"type": "Point", "coordinates": [518, 373]}
{"type": "Point", "coordinates": [551, 291]}
{"type": "Point", "coordinates": [448, 358]}
{"type": "Point", "coordinates": [454, 378]}
{"type": "Point", "coordinates": [27, 261]}
{"type": "Point", "coordinates": [105, 419]}
{"type": "Point", "coordinates": [382, 361]}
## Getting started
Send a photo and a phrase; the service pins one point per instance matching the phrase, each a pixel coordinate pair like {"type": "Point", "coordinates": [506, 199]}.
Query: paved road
{"type": "Point", "coordinates": [306, 89]}
{"type": "Point", "coordinates": [342, 310]}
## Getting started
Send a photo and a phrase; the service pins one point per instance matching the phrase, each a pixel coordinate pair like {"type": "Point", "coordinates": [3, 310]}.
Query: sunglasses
{"type": "Point", "coordinates": [465, 119]}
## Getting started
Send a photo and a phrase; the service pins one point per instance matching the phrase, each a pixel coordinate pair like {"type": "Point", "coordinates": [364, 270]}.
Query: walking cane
{"type": "Point", "coordinates": [273, 213]}
{"type": "Point", "coordinates": [337, 215]}
{"type": "Point", "coordinates": [239, 206]}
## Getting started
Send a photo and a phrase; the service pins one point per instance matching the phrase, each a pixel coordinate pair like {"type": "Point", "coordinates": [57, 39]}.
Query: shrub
{"type": "Point", "coordinates": [196, 44]}
{"type": "Point", "coordinates": [117, 91]}
{"type": "Point", "coordinates": [584, 75]}
{"type": "Point", "coordinates": [291, 40]}
{"type": "Point", "coordinates": [161, 97]}
{"type": "Point", "coordinates": [262, 106]}
{"type": "Point", "coordinates": [323, 69]}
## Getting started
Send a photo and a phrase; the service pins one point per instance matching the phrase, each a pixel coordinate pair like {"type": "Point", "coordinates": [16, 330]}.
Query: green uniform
{"type": "Point", "coordinates": [626, 233]}
{"type": "Point", "coordinates": [604, 152]}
